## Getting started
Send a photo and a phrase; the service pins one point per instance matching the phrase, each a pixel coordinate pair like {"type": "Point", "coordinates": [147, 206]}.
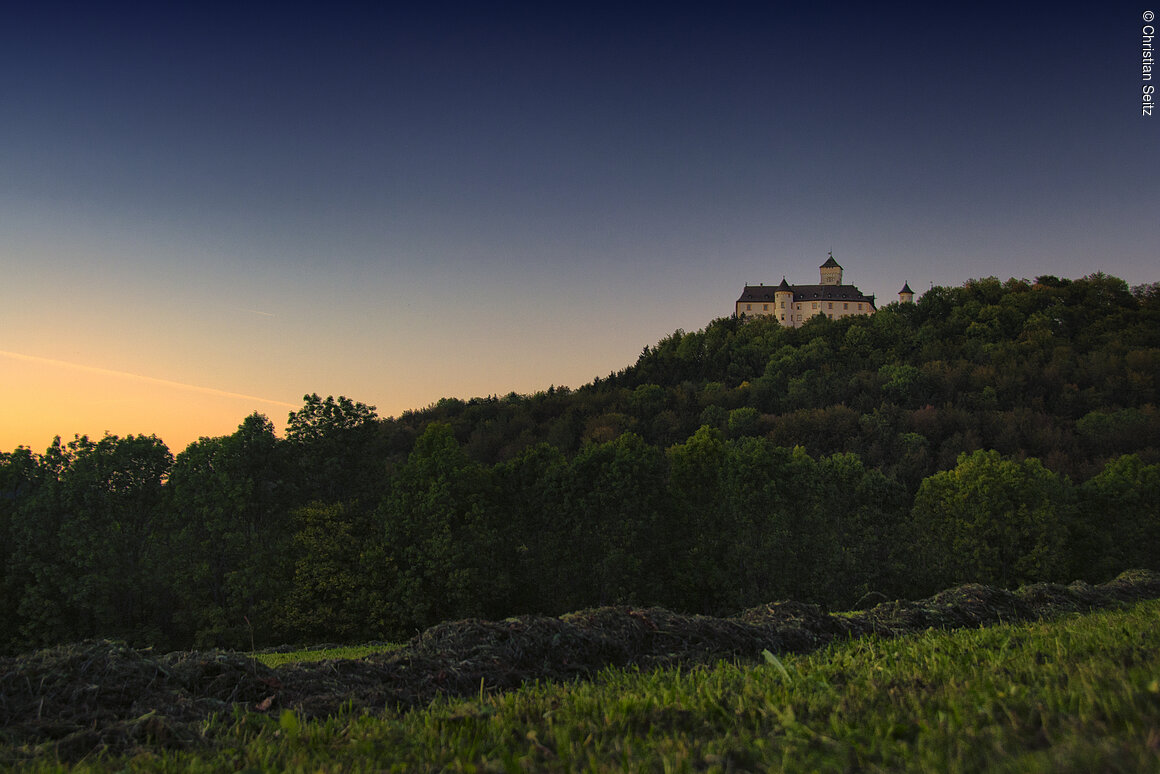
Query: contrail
{"type": "Point", "coordinates": [139, 377]}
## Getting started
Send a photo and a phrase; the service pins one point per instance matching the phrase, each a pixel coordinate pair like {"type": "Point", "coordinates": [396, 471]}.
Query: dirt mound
{"type": "Point", "coordinates": [100, 695]}
{"type": "Point", "coordinates": [969, 605]}
{"type": "Point", "coordinates": [103, 694]}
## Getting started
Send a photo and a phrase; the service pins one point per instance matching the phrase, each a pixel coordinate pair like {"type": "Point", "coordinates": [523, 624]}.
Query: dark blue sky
{"type": "Point", "coordinates": [401, 203]}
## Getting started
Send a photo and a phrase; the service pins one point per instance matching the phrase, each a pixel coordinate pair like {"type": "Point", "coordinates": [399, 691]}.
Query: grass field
{"type": "Point", "coordinates": [1077, 694]}
{"type": "Point", "coordinates": [322, 654]}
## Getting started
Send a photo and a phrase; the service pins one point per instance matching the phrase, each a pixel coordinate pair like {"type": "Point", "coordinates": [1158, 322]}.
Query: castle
{"type": "Point", "coordinates": [792, 305]}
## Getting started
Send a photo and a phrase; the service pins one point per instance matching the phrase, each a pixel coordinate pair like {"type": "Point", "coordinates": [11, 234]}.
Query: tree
{"type": "Point", "coordinates": [768, 491]}
{"type": "Point", "coordinates": [613, 504]}
{"type": "Point", "coordinates": [116, 505]}
{"type": "Point", "coordinates": [437, 534]}
{"type": "Point", "coordinates": [531, 542]}
{"type": "Point", "coordinates": [743, 421]}
{"type": "Point", "coordinates": [339, 563]}
{"type": "Point", "coordinates": [703, 525]}
{"type": "Point", "coordinates": [1106, 433]}
{"type": "Point", "coordinates": [229, 500]}
{"type": "Point", "coordinates": [1118, 527]}
{"type": "Point", "coordinates": [903, 385]}
{"type": "Point", "coordinates": [36, 573]}
{"type": "Point", "coordinates": [861, 514]}
{"type": "Point", "coordinates": [991, 520]}
{"type": "Point", "coordinates": [87, 541]}
{"type": "Point", "coordinates": [19, 478]}
{"type": "Point", "coordinates": [338, 449]}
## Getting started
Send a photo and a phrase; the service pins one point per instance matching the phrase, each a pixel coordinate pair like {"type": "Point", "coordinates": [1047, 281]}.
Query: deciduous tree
{"type": "Point", "coordinates": [991, 520]}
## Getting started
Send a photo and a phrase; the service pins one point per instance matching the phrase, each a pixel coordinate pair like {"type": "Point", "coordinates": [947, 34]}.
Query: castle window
{"type": "Point", "coordinates": [748, 307]}
{"type": "Point", "coordinates": [815, 305]}
{"type": "Point", "coordinates": [859, 307]}
{"type": "Point", "coordinates": [831, 306]}
{"type": "Point", "coordinates": [765, 307]}
{"type": "Point", "coordinates": [845, 306]}
{"type": "Point", "coordinates": [783, 307]}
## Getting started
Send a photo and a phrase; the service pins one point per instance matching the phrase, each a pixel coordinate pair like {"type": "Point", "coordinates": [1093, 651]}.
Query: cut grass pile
{"type": "Point", "coordinates": [1076, 694]}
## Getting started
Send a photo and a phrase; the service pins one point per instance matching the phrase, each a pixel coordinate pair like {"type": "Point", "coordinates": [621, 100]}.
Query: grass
{"type": "Point", "coordinates": [323, 654]}
{"type": "Point", "coordinates": [1078, 694]}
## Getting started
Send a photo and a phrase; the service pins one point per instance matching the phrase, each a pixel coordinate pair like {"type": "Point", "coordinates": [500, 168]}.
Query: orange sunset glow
{"type": "Point", "coordinates": [78, 399]}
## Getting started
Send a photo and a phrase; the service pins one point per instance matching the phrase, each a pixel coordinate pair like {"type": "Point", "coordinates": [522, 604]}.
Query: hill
{"type": "Point", "coordinates": [1000, 432]}
{"type": "Point", "coordinates": [1062, 370]}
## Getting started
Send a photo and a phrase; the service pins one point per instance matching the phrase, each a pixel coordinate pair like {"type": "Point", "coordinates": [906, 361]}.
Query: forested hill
{"type": "Point", "coordinates": [1065, 371]}
{"type": "Point", "coordinates": [995, 432]}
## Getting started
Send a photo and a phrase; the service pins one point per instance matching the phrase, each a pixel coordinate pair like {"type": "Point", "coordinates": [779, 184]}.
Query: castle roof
{"type": "Point", "coordinates": [906, 288]}
{"type": "Point", "coordinates": [765, 293]}
{"type": "Point", "coordinates": [759, 293]}
{"type": "Point", "coordinates": [830, 264]}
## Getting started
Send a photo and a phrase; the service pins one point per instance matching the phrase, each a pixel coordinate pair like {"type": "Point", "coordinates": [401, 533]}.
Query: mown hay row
{"type": "Point", "coordinates": [98, 694]}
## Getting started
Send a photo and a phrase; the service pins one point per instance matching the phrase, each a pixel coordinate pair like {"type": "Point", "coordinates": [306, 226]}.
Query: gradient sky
{"type": "Point", "coordinates": [215, 209]}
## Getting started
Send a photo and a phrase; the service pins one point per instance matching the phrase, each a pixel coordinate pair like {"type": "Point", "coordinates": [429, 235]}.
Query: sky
{"type": "Point", "coordinates": [208, 210]}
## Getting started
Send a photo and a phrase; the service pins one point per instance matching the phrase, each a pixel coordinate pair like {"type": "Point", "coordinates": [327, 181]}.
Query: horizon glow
{"type": "Point", "coordinates": [207, 212]}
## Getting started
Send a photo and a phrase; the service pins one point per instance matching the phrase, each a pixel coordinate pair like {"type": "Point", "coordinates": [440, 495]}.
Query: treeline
{"type": "Point", "coordinates": [998, 432]}
{"type": "Point", "coordinates": [115, 538]}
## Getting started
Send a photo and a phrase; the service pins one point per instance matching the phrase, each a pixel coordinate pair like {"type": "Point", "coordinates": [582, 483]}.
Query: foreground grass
{"type": "Point", "coordinates": [1079, 694]}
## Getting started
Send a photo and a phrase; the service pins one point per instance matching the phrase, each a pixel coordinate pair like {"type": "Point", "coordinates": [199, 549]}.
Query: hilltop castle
{"type": "Point", "coordinates": [792, 305]}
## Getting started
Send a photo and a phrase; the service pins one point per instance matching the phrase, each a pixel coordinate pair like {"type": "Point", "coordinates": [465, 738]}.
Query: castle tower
{"type": "Point", "coordinates": [783, 302]}
{"type": "Point", "coordinates": [831, 272]}
{"type": "Point", "coordinates": [906, 295]}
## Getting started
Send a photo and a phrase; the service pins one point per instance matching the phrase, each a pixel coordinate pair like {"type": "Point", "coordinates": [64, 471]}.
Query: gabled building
{"type": "Point", "coordinates": [792, 305]}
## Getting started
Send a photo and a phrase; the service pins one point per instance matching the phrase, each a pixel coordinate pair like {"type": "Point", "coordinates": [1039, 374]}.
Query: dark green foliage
{"type": "Point", "coordinates": [229, 501]}
{"type": "Point", "coordinates": [86, 540]}
{"type": "Point", "coordinates": [536, 547]}
{"type": "Point", "coordinates": [991, 520]}
{"type": "Point", "coordinates": [339, 569]}
{"type": "Point", "coordinates": [19, 478]}
{"type": "Point", "coordinates": [437, 531]}
{"type": "Point", "coordinates": [612, 513]}
{"type": "Point", "coordinates": [1119, 520]}
{"type": "Point", "coordinates": [336, 447]}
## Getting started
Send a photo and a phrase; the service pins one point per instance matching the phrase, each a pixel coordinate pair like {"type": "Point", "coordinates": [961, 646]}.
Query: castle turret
{"type": "Point", "coordinates": [906, 295]}
{"type": "Point", "coordinates": [783, 300]}
{"type": "Point", "coordinates": [831, 272]}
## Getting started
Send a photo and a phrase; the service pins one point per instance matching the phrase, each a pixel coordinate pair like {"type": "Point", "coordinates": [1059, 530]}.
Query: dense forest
{"type": "Point", "coordinates": [1001, 432]}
